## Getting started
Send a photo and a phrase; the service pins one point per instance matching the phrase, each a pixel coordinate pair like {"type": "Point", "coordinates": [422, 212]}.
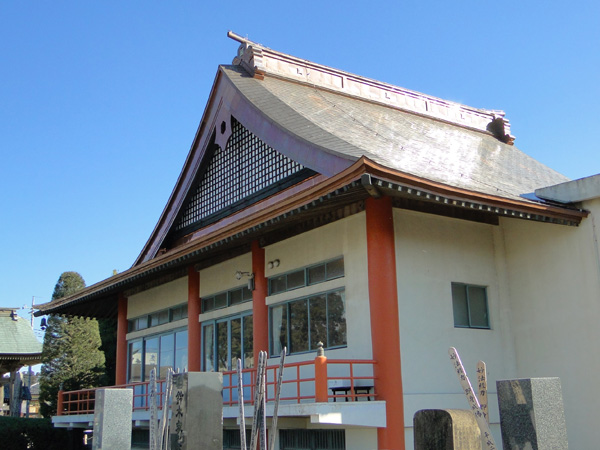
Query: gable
{"type": "Point", "coordinates": [245, 171]}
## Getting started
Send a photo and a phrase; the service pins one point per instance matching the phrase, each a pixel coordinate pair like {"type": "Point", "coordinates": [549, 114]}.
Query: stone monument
{"type": "Point", "coordinates": [532, 414]}
{"type": "Point", "coordinates": [197, 411]}
{"type": "Point", "coordinates": [112, 419]}
{"type": "Point", "coordinates": [446, 429]}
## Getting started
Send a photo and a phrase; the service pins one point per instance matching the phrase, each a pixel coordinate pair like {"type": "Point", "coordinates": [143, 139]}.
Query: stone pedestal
{"type": "Point", "coordinates": [112, 419]}
{"type": "Point", "coordinates": [532, 414]}
{"type": "Point", "coordinates": [197, 411]}
{"type": "Point", "coordinates": [446, 429]}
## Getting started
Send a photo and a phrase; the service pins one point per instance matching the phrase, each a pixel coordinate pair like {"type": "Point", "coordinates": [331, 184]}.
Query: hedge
{"type": "Point", "coordinates": [31, 434]}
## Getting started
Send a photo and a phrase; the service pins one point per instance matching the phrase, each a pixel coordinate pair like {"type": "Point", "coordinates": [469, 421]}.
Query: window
{"type": "Point", "coordinates": [469, 304]}
{"type": "Point", "coordinates": [161, 352]}
{"type": "Point", "coordinates": [301, 324]}
{"type": "Point", "coordinates": [225, 340]}
{"type": "Point", "coordinates": [158, 318]}
{"type": "Point", "coordinates": [307, 276]}
{"type": "Point", "coordinates": [225, 299]}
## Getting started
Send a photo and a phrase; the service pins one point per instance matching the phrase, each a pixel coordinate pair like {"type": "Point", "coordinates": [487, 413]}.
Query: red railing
{"type": "Point", "coordinates": [303, 382]}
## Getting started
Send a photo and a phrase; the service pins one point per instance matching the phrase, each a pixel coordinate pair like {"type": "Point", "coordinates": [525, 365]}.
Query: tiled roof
{"type": "Point", "coordinates": [16, 336]}
{"type": "Point", "coordinates": [411, 143]}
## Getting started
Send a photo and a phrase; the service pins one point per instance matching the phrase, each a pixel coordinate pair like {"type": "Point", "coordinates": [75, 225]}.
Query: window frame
{"type": "Point", "coordinates": [305, 271]}
{"type": "Point", "coordinates": [133, 323]}
{"type": "Point", "coordinates": [467, 287]}
{"type": "Point", "coordinates": [307, 298]}
{"type": "Point", "coordinates": [214, 322]}
{"type": "Point", "coordinates": [228, 301]}
{"type": "Point", "coordinates": [143, 340]}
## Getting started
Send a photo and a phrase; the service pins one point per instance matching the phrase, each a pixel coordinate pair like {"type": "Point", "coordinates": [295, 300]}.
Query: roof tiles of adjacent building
{"type": "Point", "coordinates": [18, 344]}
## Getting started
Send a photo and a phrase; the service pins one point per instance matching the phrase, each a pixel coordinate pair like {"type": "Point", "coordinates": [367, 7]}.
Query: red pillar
{"type": "Point", "coordinates": [260, 312]}
{"type": "Point", "coordinates": [194, 328]}
{"type": "Point", "coordinates": [121, 363]}
{"type": "Point", "coordinates": [385, 327]}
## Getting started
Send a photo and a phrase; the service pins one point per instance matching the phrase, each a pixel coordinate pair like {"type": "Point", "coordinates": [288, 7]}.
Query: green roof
{"type": "Point", "coordinates": [16, 336]}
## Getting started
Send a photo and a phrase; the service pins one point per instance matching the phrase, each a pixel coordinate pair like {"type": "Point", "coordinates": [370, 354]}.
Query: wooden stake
{"type": "Point", "coordinates": [480, 416]}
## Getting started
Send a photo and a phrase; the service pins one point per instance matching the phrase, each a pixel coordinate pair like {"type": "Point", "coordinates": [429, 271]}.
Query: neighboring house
{"type": "Point", "coordinates": [320, 206]}
{"type": "Point", "coordinates": [18, 348]}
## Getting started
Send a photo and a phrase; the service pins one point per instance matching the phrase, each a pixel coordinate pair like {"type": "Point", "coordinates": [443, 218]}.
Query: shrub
{"type": "Point", "coordinates": [31, 434]}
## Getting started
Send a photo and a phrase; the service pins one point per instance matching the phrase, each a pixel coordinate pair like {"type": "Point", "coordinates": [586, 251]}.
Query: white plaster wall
{"type": "Point", "coordinates": [554, 274]}
{"type": "Point", "coordinates": [431, 253]}
{"type": "Point", "coordinates": [345, 237]}
{"type": "Point", "coordinates": [164, 296]}
{"type": "Point", "coordinates": [221, 277]}
{"type": "Point", "coordinates": [362, 439]}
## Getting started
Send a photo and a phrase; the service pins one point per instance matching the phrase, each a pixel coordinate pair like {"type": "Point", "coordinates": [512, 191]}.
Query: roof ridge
{"type": "Point", "coordinates": [260, 61]}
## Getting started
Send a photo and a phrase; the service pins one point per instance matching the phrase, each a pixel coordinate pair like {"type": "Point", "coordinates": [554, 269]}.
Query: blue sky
{"type": "Point", "coordinates": [99, 101]}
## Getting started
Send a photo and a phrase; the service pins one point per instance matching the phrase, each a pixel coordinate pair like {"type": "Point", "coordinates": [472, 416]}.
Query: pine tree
{"type": "Point", "coordinates": [71, 355]}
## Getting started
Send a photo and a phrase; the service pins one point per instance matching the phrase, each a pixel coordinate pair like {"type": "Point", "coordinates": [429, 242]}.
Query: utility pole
{"type": "Point", "coordinates": [30, 368]}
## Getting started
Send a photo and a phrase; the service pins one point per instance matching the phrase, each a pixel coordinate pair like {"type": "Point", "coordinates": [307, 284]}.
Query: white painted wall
{"type": "Point", "coordinates": [554, 274]}
{"type": "Point", "coordinates": [164, 296]}
{"type": "Point", "coordinates": [221, 277]}
{"type": "Point", "coordinates": [432, 252]}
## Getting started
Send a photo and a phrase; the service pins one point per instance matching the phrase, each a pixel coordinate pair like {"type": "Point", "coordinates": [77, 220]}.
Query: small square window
{"type": "Point", "coordinates": [277, 284]}
{"type": "Point", "coordinates": [316, 274]}
{"type": "Point", "coordinates": [335, 269]}
{"type": "Point", "coordinates": [221, 300]}
{"type": "Point", "coordinates": [295, 279]}
{"type": "Point", "coordinates": [469, 304]}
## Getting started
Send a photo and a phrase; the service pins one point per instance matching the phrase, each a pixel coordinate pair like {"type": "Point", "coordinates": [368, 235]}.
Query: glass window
{"type": "Point", "coordinates": [248, 343]}
{"type": "Point", "coordinates": [226, 340]}
{"type": "Point", "coordinates": [278, 329]}
{"type": "Point", "coordinates": [224, 299]}
{"type": "Point", "coordinates": [277, 284]}
{"type": "Point", "coordinates": [318, 273]}
{"type": "Point", "coordinates": [208, 339]}
{"type": "Point", "coordinates": [298, 326]}
{"type": "Point", "coordinates": [235, 297]}
{"type": "Point", "coordinates": [150, 356]}
{"type": "Point", "coordinates": [142, 323]}
{"type": "Point", "coordinates": [301, 324]}
{"type": "Point", "coordinates": [135, 361]}
{"type": "Point", "coordinates": [335, 269]}
{"type": "Point", "coordinates": [318, 320]}
{"type": "Point", "coordinates": [469, 306]}
{"type": "Point", "coordinates": [295, 280]}
{"type": "Point", "coordinates": [181, 351]}
{"type": "Point", "coordinates": [221, 300]}
{"type": "Point", "coordinates": [222, 346]}
{"type": "Point", "coordinates": [336, 319]}
{"type": "Point", "coordinates": [167, 354]}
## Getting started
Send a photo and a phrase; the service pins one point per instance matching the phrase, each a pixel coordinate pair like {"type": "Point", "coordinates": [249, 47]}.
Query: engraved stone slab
{"type": "Point", "coordinates": [197, 411]}
{"type": "Point", "coordinates": [532, 414]}
{"type": "Point", "coordinates": [112, 419]}
{"type": "Point", "coordinates": [446, 429]}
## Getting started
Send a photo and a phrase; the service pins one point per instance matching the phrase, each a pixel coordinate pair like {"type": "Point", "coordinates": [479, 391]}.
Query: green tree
{"type": "Point", "coordinates": [71, 355]}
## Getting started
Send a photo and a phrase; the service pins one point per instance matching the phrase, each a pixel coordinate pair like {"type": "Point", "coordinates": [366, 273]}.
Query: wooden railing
{"type": "Point", "coordinates": [303, 382]}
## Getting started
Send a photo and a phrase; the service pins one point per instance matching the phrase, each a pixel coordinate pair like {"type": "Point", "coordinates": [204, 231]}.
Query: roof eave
{"type": "Point", "coordinates": [304, 197]}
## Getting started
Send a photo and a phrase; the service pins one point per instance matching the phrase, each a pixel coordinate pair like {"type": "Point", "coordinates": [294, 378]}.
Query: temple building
{"type": "Point", "coordinates": [321, 207]}
{"type": "Point", "coordinates": [18, 348]}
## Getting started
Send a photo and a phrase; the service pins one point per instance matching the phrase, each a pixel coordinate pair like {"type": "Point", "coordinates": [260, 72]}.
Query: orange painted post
{"type": "Point", "coordinates": [194, 326]}
{"type": "Point", "coordinates": [385, 327]}
{"type": "Point", "coordinates": [321, 375]}
{"type": "Point", "coordinates": [59, 404]}
{"type": "Point", "coordinates": [260, 312]}
{"type": "Point", "coordinates": [121, 362]}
